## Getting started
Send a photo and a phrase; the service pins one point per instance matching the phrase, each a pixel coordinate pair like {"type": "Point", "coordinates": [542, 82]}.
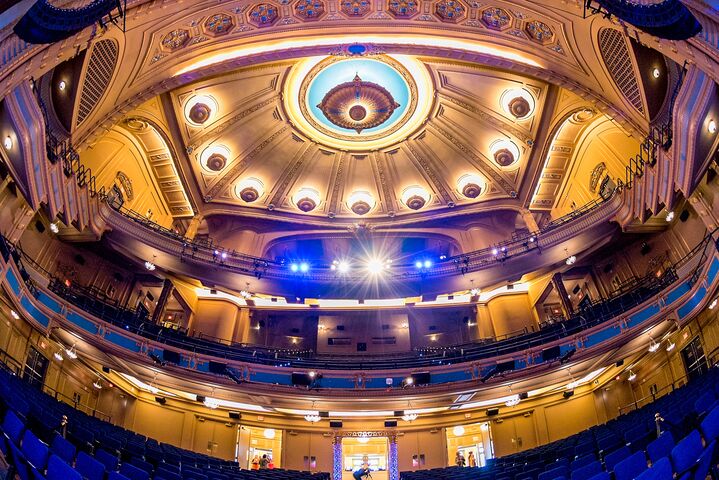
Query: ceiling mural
{"type": "Point", "coordinates": [366, 135]}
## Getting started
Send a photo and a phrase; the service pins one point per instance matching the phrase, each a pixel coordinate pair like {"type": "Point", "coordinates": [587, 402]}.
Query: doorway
{"type": "Point", "coordinates": [259, 447]}
{"type": "Point", "coordinates": [35, 368]}
{"type": "Point", "coordinates": [695, 362]}
{"type": "Point", "coordinates": [470, 444]}
{"type": "Point", "coordinates": [373, 451]}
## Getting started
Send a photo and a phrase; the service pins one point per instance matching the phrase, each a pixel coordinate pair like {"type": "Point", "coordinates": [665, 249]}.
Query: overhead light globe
{"type": "Point", "coordinates": [409, 417]}
{"type": "Point", "coordinates": [458, 431]}
{"type": "Point", "coordinates": [415, 197]}
{"type": "Point", "coordinates": [571, 260]}
{"type": "Point", "coordinates": [504, 152]}
{"type": "Point", "coordinates": [269, 433]}
{"type": "Point", "coordinates": [214, 158]}
{"type": "Point", "coordinates": [712, 126]}
{"type": "Point", "coordinates": [7, 142]}
{"type": "Point", "coordinates": [250, 189]}
{"type": "Point", "coordinates": [361, 202]}
{"type": "Point", "coordinates": [471, 185]}
{"type": "Point", "coordinates": [306, 199]}
{"type": "Point", "coordinates": [313, 417]}
{"type": "Point", "coordinates": [199, 109]}
{"type": "Point", "coordinates": [363, 440]}
{"type": "Point", "coordinates": [518, 102]}
{"type": "Point", "coordinates": [513, 401]}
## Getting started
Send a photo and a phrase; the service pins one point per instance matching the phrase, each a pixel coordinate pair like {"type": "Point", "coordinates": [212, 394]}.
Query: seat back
{"type": "Point", "coordinates": [661, 447]}
{"type": "Point", "coordinates": [660, 470]}
{"type": "Point", "coordinates": [587, 471]}
{"type": "Point", "coordinates": [615, 457]}
{"type": "Point", "coordinates": [686, 452]}
{"type": "Point", "coordinates": [89, 468]}
{"type": "Point", "coordinates": [710, 425]}
{"type": "Point", "coordinates": [35, 451]}
{"type": "Point", "coordinates": [62, 448]}
{"type": "Point", "coordinates": [133, 473]}
{"type": "Point", "coordinates": [59, 470]}
{"type": "Point", "coordinates": [106, 458]}
{"type": "Point", "coordinates": [630, 467]}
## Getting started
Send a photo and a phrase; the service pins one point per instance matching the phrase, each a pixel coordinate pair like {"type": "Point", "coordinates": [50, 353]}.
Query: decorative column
{"type": "Point", "coordinates": [558, 284]}
{"type": "Point", "coordinates": [529, 220]}
{"type": "Point", "coordinates": [193, 226]}
{"type": "Point", "coordinates": [392, 460]}
{"type": "Point", "coordinates": [337, 457]}
{"type": "Point", "coordinates": [162, 301]}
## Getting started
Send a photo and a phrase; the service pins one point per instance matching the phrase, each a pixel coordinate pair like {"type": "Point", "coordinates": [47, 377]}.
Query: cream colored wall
{"type": "Point", "coordinates": [298, 445]}
{"type": "Point", "coordinates": [511, 314]}
{"type": "Point", "coordinates": [116, 151]}
{"type": "Point", "coordinates": [215, 318]}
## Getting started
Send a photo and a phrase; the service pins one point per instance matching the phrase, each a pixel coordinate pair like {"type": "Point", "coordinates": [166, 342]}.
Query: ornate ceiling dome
{"type": "Point", "coordinates": [358, 105]}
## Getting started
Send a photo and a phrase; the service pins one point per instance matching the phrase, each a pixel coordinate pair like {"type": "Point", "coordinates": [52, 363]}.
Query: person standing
{"type": "Point", "coordinates": [255, 463]}
{"type": "Point", "coordinates": [264, 462]}
{"type": "Point", "coordinates": [471, 461]}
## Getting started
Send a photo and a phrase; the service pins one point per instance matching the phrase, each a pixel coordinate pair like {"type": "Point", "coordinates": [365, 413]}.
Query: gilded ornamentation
{"type": "Point", "coordinates": [263, 14]}
{"type": "Point", "coordinates": [175, 39]}
{"type": "Point", "coordinates": [218, 24]}
{"type": "Point", "coordinates": [496, 18]}
{"type": "Point", "coordinates": [125, 185]}
{"type": "Point", "coordinates": [358, 105]}
{"type": "Point", "coordinates": [310, 9]}
{"type": "Point", "coordinates": [597, 173]}
{"type": "Point", "coordinates": [355, 8]}
{"type": "Point", "coordinates": [403, 8]}
{"type": "Point", "coordinates": [539, 32]}
{"type": "Point", "coordinates": [450, 10]}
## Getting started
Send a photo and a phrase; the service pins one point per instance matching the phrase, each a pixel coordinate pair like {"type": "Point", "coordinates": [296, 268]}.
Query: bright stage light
{"type": "Point", "coordinates": [304, 267]}
{"type": "Point", "coordinates": [294, 268]}
{"type": "Point", "coordinates": [375, 266]}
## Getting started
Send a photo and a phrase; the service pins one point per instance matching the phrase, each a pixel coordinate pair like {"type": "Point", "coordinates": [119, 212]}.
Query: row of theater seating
{"type": "Point", "coordinates": [138, 322]}
{"type": "Point", "coordinates": [625, 448]}
{"type": "Point", "coordinates": [93, 449]}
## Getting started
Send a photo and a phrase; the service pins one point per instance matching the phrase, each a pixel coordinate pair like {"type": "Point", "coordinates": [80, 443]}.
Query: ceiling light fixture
{"type": "Point", "coordinates": [458, 431]}
{"type": "Point", "coordinates": [62, 85]}
{"type": "Point", "coordinates": [632, 376]}
{"type": "Point", "coordinates": [670, 216]}
{"type": "Point", "coordinates": [71, 352]}
{"type": "Point", "coordinates": [671, 346]}
{"type": "Point", "coordinates": [513, 401]}
{"type": "Point", "coordinates": [269, 433]}
{"type": "Point", "coordinates": [211, 403]}
{"type": "Point", "coordinates": [58, 356]}
{"type": "Point", "coordinates": [712, 126]}
{"type": "Point", "coordinates": [97, 384]}
{"type": "Point", "coordinates": [313, 417]}
{"type": "Point", "coordinates": [409, 417]}
{"type": "Point", "coordinates": [150, 266]}
{"type": "Point", "coordinates": [656, 72]}
{"type": "Point", "coordinates": [653, 346]}
{"type": "Point", "coordinates": [54, 228]}
{"type": "Point", "coordinates": [7, 142]}
{"type": "Point", "coordinates": [14, 315]}
{"type": "Point", "coordinates": [713, 304]}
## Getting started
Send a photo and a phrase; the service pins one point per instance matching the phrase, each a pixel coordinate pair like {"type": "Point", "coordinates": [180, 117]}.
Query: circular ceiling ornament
{"type": "Point", "coordinates": [415, 197]}
{"type": "Point", "coordinates": [214, 158]}
{"type": "Point", "coordinates": [471, 186]}
{"type": "Point", "coordinates": [358, 102]}
{"type": "Point", "coordinates": [361, 202]}
{"type": "Point", "coordinates": [306, 199]}
{"type": "Point", "coordinates": [518, 102]}
{"type": "Point", "coordinates": [199, 109]}
{"type": "Point", "coordinates": [250, 189]}
{"type": "Point", "coordinates": [358, 105]}
{"type": "Point", "coordinates": [504, 152]}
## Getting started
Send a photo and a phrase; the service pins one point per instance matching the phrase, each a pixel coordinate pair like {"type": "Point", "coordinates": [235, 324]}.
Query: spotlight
{"type": "Point", "coordinates": [532, 239]}
{"type": "Point", "coordinates": [408, 381]}
{"type": "Point", "coordinates": [495, 251]}
{"type": "Point", "coordinates": [375, 266]}
{"type": "Point", "coordinates": [224, 255]}
{"type": "Point", "coordinates": [294, 268]}
{"type": "Point", "coordinates": [427, 264]}
{"type": "Point", "coordinates": [670, 216]}
{"type": "Point", "coordinates": [304, 267]}
{"type": "Point", "coordinates": [54, 228]}
{"type": "Point", "coordinates": [312, 374]}
{"type": "Point", "coordinates": [503, 249]}
{"type": "Point", "coordinates": [443, 257]}
{"type": "Point", "coordinates": [632, 376]}
{"type": "Point", "coordinates": [671, 346]}
{"type": "Point", "coordinates": [343, 267]}
{"type": "Point", "coordinates": [418, 264]}
{"type": "Point", "coordinates": [656, 72]}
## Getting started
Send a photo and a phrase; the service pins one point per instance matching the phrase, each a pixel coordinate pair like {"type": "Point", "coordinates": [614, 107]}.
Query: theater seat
{"type": "Point", "coordinates": [661, 447]}
{"type": "Point", "coordinates": [630, 467]}
{"type": "Point", "coordinates": [59, 470]}
{"type": "Point", "coordinates": [686, 452]}
{"type": "Point", "coordinates": [661, 470]}
{"type": "Point", "coordinates": [89, 468]}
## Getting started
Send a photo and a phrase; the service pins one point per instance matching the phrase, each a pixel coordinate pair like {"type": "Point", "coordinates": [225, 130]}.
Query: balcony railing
{"type": "Point", "coordinates": [588, 317]}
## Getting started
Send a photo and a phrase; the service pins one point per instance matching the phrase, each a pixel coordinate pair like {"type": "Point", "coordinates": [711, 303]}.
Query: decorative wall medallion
{"type": "Point", "coordinates": [471, 190]}
{"type": "Point", "coordinates": [216, 162]}
{"type": "Point", "coordinates": [249, 194]}
{"type": "Point", "coordinates": [415, 202]}
{"type": "Point", "coordinates": [503, 157]}
{"type": "Point", "coordinates": [360, 207]}
{"type": "Point", "coordinates": [263, 14]}
{"type": "Point", "coordinates": [519, 107]}
{"type": "Point", "coordinates": [450, 10]}
{"type": "Point", "coordinates": [218, 24]}
{"type": "Point", "coordinates": [496, 18]}
{"type": "Point", "coordinates": [125, 185]}
{"type": "Point", "coordinates": [403, 8]}
{"type": "Point", "coordinates": [597, 173]}
{"type": "Point", "coordinates": [355, 8]}
{"type": "Point", "coordinates": [306, 204]}
{"type": "Point", "coordinates": [539, 32]}
{"type": "Point", "coordinates": [175, 39]}
{"type": "Point", "coordinates": [310, 9]}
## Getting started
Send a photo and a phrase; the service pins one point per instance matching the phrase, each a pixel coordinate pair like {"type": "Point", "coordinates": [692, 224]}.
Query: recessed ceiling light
{"type": "Point", "coordinates": [670, 216]}
{"type": "Point", "coordinates": [14, 315]}
{"type": "Point", "coordinates": [62, 85]}
{"type": "Point", "coordinates": [7, 142]}
{"type": "Point", "coordinates": [656, 73]}
{"type": "Point", "coordinates": [712, 126]}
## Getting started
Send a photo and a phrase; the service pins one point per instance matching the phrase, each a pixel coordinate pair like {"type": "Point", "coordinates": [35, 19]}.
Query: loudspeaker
{"type": "Point", "coordinates": [619, 363]}
{"type": "Point", "coordinates": [568, 393]}
{"type": "Point", "coordinates": [492, 412]}
{"type": "Point", "coordinates": [106, 369]}
{"type": "Point", "coordinates": [336, 424]}
{"type": "Point", "coordinates": [324, 414]}
{"type": "Point", "coordinates": [523, 396]}
{"type": "Point", "coordinates": [505, 366]}
{"type": "Point", "coordinates": [390, 423]}
{"type": "Point", "coordinates": [550, 354]}
{"type": "Point", "coordinates": [170, 356]}
{"type": "Point", "coordinates": [218, 368]}
{"type": "Point", "coordinates": [645, 248]}
{"type": "Point", "coordinates": [301, 379]}
{"type": "Point", "coordinates": [361, 346]}
{"type": "Point", "coordinates": [160, 400]}
{"type": "Point", "coordinates": [421, 378]}
{"type": "Point", "coordinates": [576, 289]}
{"type": "Point", "coordinates": [398, 413]}
{"type": "Point", "coordinates": [235, 415]}
{"type": "Point", "coordinates": [39, 226]}
{"type": "Point", "coordinates": [200, 398]}
{"type": "Point", "coordinates": [684, 216]}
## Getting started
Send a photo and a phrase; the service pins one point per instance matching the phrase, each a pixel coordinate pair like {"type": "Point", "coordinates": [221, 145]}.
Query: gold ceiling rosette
{"type": "Point", "coordinates": [358, 105]}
